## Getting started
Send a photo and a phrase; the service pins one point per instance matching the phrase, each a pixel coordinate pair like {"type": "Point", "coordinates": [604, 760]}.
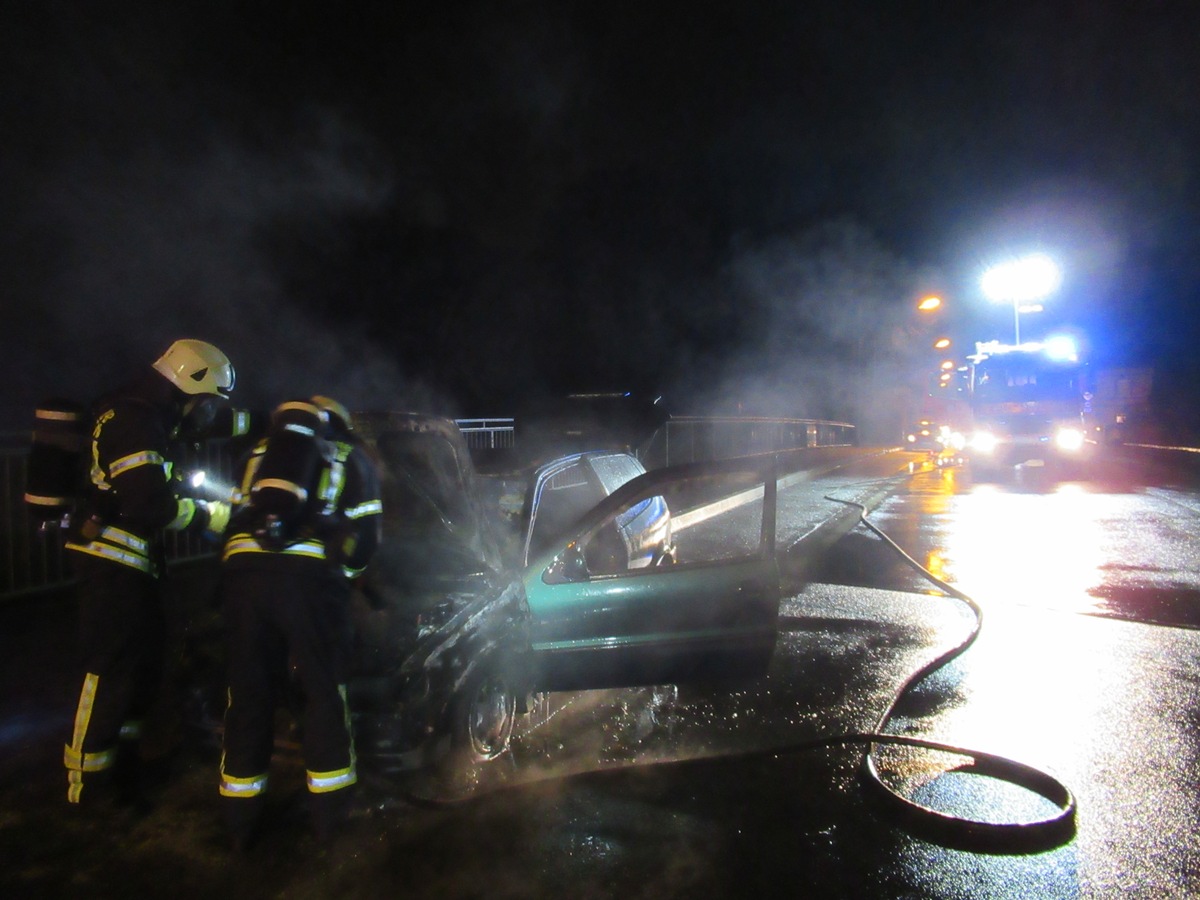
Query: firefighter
{"type": "Point", "coordinates": [115, 551]}
{"type": "Point", "coordinates": [285, 583]}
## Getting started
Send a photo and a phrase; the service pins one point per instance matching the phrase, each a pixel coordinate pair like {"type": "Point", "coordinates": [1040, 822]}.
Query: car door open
{"type": "Point", "coordinates": [672, 578]}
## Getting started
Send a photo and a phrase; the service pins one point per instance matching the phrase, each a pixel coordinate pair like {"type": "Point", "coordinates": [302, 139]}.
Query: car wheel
{"type": "Point", "coordinates": [483, 714]}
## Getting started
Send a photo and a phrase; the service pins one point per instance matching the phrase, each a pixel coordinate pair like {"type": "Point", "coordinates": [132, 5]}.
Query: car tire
{"type": "Point", "coordinates": [482, 715]}
{"type": "Point", "coordinates": [481, 719]}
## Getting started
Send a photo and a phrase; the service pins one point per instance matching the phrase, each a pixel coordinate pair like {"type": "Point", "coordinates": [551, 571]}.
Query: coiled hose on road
{"type": "Point", "coordinates": [943, 828]}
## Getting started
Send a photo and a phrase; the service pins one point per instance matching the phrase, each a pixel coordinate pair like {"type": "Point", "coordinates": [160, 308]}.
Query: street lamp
{"type": "Point", "coordinates": [1020, 282]}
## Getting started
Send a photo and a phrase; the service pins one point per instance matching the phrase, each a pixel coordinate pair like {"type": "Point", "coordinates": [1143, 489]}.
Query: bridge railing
{"type": "Point", "coordinates": [687, 439]}
{"type": "Point", "coordinates": [33, 556]}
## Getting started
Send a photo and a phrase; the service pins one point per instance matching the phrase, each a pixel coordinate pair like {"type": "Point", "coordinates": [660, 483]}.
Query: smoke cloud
{"type": "Point", "coordinates": [825, 329]}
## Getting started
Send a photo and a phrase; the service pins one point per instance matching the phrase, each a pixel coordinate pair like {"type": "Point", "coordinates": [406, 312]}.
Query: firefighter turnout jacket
{"type": "Point", "coordinates": [132, 497]}
{"type": "Point", "coordinates": [115, 549]}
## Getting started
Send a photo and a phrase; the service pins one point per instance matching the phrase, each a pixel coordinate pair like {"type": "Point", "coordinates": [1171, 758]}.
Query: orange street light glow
{"type": "Point", "coordinates": [941, 343]}
{"type": "Point", "coordinates": [929, 303]}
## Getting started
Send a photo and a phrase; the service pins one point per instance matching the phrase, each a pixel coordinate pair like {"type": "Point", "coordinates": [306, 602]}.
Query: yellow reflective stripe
{"type": "Point", "coordinates": [324, 782]}
{"type": "Point", "coordinates": [185, 511]}
{"type": "Point", "coordinates": [88, 762]}
{"type": "Point", "coordinates": [56, 415]}
{"type": "Point", "coordinates": [83, 710]}
{"type": "Point", "coordinates": [133, 461]}
{"type": "Point", "coordinates": [369, 508]}
{"type": "Point", "coordinates": [39, 500]}
{"type": "Point", "coordinates": [74, 759]}
{"type": "Point", "coordinates": [232, 786]}
{"type": "Point", "coordinates": [241, 422]}
{"type": "Point", "coordinates": [314, 549]}
{"type": "Point", "coordinates": [126, 539]}
{"type": "Point", "coordinates": [115, 554]}
{"type": "Point", "coordinates": [243, 543]}
{"type": "Point", "coordinates": [302, 405]}
{"type": "Point", "coordinates": [281, 484]}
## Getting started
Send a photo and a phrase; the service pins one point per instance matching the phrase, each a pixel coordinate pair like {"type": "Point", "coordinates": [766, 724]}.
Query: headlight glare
{"type": "Point", "coordinates": [983, 441]}
{"type": "Point", "coordinates": [1069, 439]}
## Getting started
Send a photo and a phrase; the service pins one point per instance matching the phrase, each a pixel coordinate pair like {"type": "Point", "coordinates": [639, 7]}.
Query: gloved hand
{"type": "Point", "coordinates": [186, 484]}
{"type": "Point", "coordinates": [218, 519]}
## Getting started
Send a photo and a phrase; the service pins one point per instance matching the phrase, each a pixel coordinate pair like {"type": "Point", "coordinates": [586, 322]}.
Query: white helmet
{"type": "Point", "coordinates": [196, 367]}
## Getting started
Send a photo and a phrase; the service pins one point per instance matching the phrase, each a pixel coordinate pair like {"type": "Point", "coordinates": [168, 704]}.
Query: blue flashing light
{"type": "Point", "coordinates": [1061, 349]}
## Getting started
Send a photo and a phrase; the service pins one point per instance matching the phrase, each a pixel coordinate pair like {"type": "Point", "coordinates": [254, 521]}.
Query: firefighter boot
{"type": "Point", "coordinates": [329, 812]}
{"type": "Point", "coordinates": [92, 792]}
{"type": "Point", "coordinates": [242, 816]}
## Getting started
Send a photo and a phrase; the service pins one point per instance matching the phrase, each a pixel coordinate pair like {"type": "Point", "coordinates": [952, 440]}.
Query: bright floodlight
{"type": "Point", "coordinates": [1022, 280]}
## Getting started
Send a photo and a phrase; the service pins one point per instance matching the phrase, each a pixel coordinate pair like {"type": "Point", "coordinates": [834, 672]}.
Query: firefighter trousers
{"type": "Point", "coordinates": [288, 631]}
{"type": "Point", "coordinates": [121, 637]}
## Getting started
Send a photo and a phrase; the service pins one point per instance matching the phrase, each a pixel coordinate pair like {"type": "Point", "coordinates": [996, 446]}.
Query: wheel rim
{"type": "Point", "coordinates": [490, 717]}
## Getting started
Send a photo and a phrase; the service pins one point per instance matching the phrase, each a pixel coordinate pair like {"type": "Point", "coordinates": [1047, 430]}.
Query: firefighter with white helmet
{"type": "Point", "coordinates": [115, 550]}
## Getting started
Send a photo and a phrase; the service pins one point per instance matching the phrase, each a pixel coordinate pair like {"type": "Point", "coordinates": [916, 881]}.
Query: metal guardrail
{"type": "Point", "coordinates": [688, 439]}
{"type": "Point", "coordinates": [34, 559]}
{"type": "Point", "coordinates": [488, 434]}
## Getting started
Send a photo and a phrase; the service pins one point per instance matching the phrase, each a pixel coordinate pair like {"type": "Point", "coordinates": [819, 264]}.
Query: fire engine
{"type": "Point", "coordinates": [1029, 405]}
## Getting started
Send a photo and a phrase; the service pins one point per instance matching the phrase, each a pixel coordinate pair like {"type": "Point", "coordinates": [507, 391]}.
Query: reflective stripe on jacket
{"type": "Point", "coordinates": [132, 495]}
{"type": "Point", "coordinates": [119, 546]}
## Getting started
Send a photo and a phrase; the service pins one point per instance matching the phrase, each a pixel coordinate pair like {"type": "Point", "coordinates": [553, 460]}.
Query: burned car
{"type": "Point", "coordinates": [490, 594]}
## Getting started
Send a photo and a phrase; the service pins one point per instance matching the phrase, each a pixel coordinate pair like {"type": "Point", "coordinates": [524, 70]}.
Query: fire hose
{"type": "Point", "coordinates": [924, 821]}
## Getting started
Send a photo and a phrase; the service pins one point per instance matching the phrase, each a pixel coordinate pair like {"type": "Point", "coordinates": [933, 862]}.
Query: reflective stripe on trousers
{"type": "Point", "coordinates": [231, 786]}
{"type": "Point", "coordinates": [74, 759]}
{"type": "Point", "coordinates": [324, 782]}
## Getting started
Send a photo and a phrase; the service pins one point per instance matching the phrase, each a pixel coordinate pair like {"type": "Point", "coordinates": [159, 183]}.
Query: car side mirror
{"type": "Point", "coordinates": [568, 567]}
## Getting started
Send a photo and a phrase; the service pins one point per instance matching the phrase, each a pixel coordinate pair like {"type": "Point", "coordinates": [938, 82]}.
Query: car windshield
{"type": "Point", "coordinates": [423, 485]}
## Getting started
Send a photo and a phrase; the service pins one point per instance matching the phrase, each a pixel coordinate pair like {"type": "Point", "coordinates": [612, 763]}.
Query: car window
{"type": "Point", "coordinates": [691, 521]}
{"type": "Point", "coordinates": [614, 471]}
{"type": "Point", "coordinates": [561, 500]}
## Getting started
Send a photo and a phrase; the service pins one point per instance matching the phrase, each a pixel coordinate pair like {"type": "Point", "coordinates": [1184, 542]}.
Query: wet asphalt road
{"type": "Point", "coordinates": [1085, 666]}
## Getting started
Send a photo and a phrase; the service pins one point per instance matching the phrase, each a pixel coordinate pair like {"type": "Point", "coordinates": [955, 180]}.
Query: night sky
{"type": "Point", "coordinates": [463, 206]}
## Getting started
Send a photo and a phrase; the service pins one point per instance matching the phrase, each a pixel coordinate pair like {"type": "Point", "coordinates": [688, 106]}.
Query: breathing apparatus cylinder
{"type": "Point", "coordinates": [56, 474]}
{"type": "Point", "coordinates": [288, 472]}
